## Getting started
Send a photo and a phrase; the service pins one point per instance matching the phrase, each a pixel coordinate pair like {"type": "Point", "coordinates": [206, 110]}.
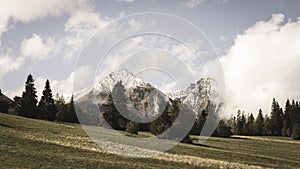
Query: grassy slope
{"type": "Point", "coordinates": [34, 143]}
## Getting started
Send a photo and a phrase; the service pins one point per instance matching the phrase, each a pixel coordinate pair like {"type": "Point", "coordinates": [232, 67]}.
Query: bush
{"type": "Point", "coordinates": [132, 127]}
{"type": "Point", "coordinates": [296, 132]}
{"type": "Point", "coordinates": [223, 130]}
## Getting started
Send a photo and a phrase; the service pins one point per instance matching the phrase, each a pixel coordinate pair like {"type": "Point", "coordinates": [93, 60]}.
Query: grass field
{"type": "Point", "coordinates": [28, 143]}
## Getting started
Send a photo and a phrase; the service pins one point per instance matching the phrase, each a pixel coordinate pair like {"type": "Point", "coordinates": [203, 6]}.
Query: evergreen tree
{"type": "Point", "coordinates": [18, 101]}
{"type": "Point", "coordinates": [251, 125]}
{"type": "Point", "coordinates": [223, 129]}
{"type": "Point", "coordinates": [239, 125]}
{"type": "Point", "coordinates": [66, 112]}
{"type": "Point", "coordinates": [161, 124]}
{"type": "Point", "coordinates": [200, 121]}
{"type": "Point", "coordinates": [296, 131]}
{"type": "Point", "coordinates": [287, 126]}
{"type": "Point", "coordinates": [60, 106]}
{"type": "Point", "coordinates": [259, 123]}
{"type": "Point", "coordinates": [28, 106]}
{"type": "Point", "coordinates": [296, 122]}
{"type": "Point", "coordinates": [175, 133]}
{"type": "Point", "coordinates": [276, 118]}
{"type": "Point", "coordinates": [244, 124]}
{"type": "Point", "coordinates": [70, 113]}
{"type": "Point", "coordinates": [268, 126]}
{"type": "Point", "coordinates": [120, 102]}
{"type": "Point", "coordinates": [111, 115]}
{"type": "Point", "coordinates": [234, 131]}
{"type": "Point", "coordinates": [17, 105]}
{"type": "Point", "coordinates": [46, 106]}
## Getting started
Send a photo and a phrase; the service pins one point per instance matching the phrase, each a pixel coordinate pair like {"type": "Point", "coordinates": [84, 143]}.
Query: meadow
{"type": "Point", "coordinates": [30, 143]}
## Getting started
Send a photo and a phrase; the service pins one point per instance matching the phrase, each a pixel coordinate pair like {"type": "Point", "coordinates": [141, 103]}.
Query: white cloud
{"type": "Point", "coordinates": [81, 25]}
{"type": "Point", "coordinates": [36, 48]}
{"type": "Point", "coordinates": [263, 63]}
{"type": "Point", "coordinates": [196, 3]}
{"type": "Point", "coordinates": [26, 11]}
{"type": "Point", "coordinates": [192, 3]}
{"type": "Point", "coordinates": [9, 63]}
{"type": "Point", "coordinates": [83, 22]}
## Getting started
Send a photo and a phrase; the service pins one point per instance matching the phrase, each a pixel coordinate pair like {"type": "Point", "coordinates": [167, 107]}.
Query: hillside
{"type": "Point", "coordinates": [28, 143]}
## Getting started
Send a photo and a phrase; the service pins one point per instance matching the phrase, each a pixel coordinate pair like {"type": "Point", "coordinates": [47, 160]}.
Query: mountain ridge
{"type": "Point", "coordinates": [144, 97]}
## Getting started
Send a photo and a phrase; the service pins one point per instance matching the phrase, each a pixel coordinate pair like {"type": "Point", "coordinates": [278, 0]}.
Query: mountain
{"type": "Point", "coordinates": [144, 100]}
{"type": "Point", "coordinates": [197, 95]}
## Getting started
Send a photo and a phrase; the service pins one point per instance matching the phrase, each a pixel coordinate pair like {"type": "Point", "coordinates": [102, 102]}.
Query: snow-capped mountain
{"type": "Point", "coordinates": [127, 78]}
{"type": "Point", "coordinates": [144, 100]}
{"type": "Point", "coordinates": [196, 95]}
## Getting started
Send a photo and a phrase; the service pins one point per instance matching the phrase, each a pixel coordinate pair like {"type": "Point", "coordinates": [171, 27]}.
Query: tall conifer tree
{"type": "Point", "coordinates": [28, 106]}
{"type": "Point", "coordinates": [46, 107]}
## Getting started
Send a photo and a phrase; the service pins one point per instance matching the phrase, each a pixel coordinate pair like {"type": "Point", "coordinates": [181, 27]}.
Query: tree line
{"type": "Point", "coordinates": [160, 126]}
{"type": "Point", "coordinates": [280, 122]}
{"type": "Point", "coordinates": [47, 108]}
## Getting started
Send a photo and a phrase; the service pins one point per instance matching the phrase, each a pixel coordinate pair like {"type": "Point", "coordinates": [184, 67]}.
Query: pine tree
{"type": "Point", "coordinates": [287, 126]}
{"type": "Point", "coordinates": [17, 105]}
{"type": "Point", "coordinates": [276, 118]}
{"type": "Point", "coordinates": [296, 122]}
{"type": "Point", "coordinates": [259, 123]}
{"type": "Point", "coordinates": [267, 126]}
{"type": "Point", "coordinates": [120, 102]}
{"type": "Point", "coordinates": [28, 106]}
{"type": "Point", "coordinates": [234, 125]}
{"type": "Point", "coordinates": [250, 125]}
{"type": "Point", "coordinates": [239, 123]}
{"type": "Point", "coordinates": [60, 106]}
{"type": "Point", "coordinates": [296, 131]}
{"type": "Point", "coordinates": [70, 113]}
{"type": "Point", "coordinates": [161, 124]}
{"type": "Point", "coordinates": [46, 106]}
{"type": "Point", "coordinates": [200, 121]}
{"type": "Point", "coordinates": [223, 129]}
{"type": "Point", "coordinates": [111, 115]}
{"type": "Point", "coordinates": [244, 124]}
{"type": "Point", "coordinates": [66, 112]}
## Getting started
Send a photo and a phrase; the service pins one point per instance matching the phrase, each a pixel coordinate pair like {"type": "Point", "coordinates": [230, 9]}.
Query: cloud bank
{"type": "Point", "coordinates": [264, 62]}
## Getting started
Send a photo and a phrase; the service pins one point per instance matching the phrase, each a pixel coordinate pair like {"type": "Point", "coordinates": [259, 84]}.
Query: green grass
{"type": "Point", "coordinates": [28, 143]}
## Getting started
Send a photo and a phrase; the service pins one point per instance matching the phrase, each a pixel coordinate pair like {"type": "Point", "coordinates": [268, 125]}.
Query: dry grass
{"type": "Point", "coordinates": [74, 146]}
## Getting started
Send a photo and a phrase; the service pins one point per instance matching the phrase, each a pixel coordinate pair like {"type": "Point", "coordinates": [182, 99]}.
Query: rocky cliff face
{"type": "Point", "coordinates": [197, 95]}
{"type": "Point", "coordinates": [144, 100]}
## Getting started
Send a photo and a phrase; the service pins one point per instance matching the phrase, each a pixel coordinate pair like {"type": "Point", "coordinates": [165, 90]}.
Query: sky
{"type": "Point", "coordinates": [257, 44]}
